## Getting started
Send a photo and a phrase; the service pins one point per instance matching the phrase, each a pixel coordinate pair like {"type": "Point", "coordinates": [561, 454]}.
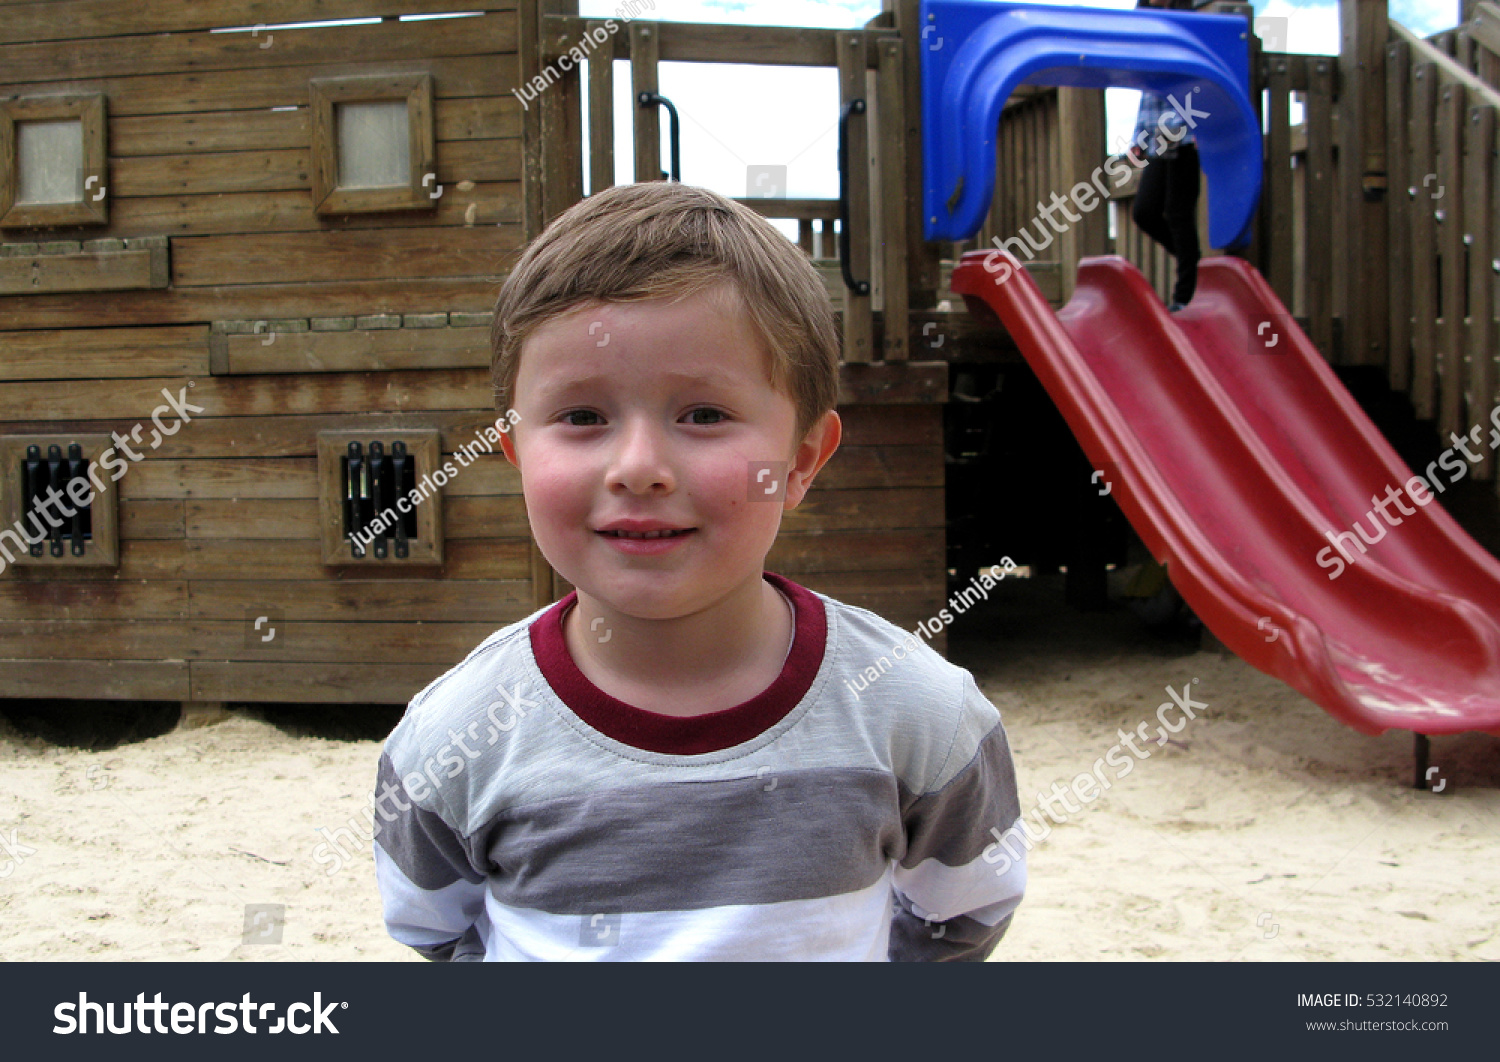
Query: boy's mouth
{"type": "Point", "coordinates": [667, 533]}
{"type": "Point", "coordinates": [642, 530]}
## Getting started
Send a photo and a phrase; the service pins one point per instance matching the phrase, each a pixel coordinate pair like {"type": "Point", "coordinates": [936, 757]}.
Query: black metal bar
{"type": "Point", "coordinates": [1422, 752]}
{"type": "Point", "coordinates": [647, 99]}
{"type": "Point", "coordinates": [408, 487]}
{"type": "Point", "coordinates": [859, 287]}
{"type": "Point", "coordinates": [76, 471]}
{"type": "Point", "coordinates": [55, 479]}
{"type": "Point", "coordinates": [33, 487]}
{"type": "Point", "coordinates": [399, 461]}
{"type": "Point", "coordinates": [353, 476]}
{"type": "Point", "coordinates": [378, 474]}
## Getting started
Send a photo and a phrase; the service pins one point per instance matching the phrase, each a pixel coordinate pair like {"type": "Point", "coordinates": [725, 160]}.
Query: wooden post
{"type": "Point", "coordinates": [562, 125]}
{"type": "Point", "coordinates": [1479, 191]}
{"type": "Point", "coordinates": [1489, 269]}
{"type": "Point", "coordinates": [1278, 184]}
{"type": "Point", "coordinates": [1081, 148]}
{"type": "Point", "coordinates": [1318, 115]}
{"type": "Point", "coordinates": [529, 12]}
{"type": "Point", "coordinates": [1398, 213]}
{"type": "Point", "coordinates": [1449, 207]}
{"type": "Point", "coordinates": [894, 205]}
{"type": "Point", "coordinates": [1362, 170]}
{"type": "Point", "coordinates": [1422, 174]}
{"type": "Point", "coordinates": [1464, 52]}
{"type": "Point", "coordinates": [859, 322]}
{"type": "Point", "coordinates": [601, 114]}
{"type": "Point", "coordinates": [924, 273]}
{"type": "Point", "coordinates": [1485, 30]}
{"type": "Point", "coordinates": [644, 49]}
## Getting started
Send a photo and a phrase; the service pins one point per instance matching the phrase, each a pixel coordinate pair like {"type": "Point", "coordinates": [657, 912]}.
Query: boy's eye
{"type": "Point", "coordinates": [706, 416]}
{"type": "Point", "coordinates": [581, 418]}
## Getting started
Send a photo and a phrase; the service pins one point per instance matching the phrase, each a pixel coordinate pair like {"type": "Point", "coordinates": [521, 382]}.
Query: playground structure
{"type": "Point", "coordinates": [309, 314]}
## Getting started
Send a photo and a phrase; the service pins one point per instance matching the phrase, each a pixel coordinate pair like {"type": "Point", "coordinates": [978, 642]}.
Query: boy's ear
{"type": "Point", "coordinates": [813, 452]}
{"type": "Point", "coordinates": [508, 446]}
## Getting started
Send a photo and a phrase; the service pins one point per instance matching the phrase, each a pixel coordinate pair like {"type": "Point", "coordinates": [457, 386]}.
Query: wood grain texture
{"type": "Point", "coordinates": [193, 53]}
{"type": "Point", "coordinates": [52, 20]}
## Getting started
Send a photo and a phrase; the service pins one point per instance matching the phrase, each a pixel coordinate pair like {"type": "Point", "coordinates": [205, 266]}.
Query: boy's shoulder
{"type": "Point", "coordinates": [493, 668]}
{"type": "Point", "coordinates": [931, 707]}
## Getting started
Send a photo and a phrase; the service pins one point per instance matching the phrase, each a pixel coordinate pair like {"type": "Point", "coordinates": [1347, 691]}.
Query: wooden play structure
{"type": "Point", "coordinates": [297, 232]}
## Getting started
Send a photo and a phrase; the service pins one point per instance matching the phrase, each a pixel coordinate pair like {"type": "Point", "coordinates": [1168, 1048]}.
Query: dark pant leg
{"type": "Point", "coordinates": [1181, 211]}
{"type": "Point", "coordinates": [1150, 203]}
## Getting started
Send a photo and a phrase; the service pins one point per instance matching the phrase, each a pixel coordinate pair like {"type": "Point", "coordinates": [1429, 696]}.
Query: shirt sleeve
{"type": "Point", "coordinates": [955, 890]}
{"type": "Point", "coordinates": [430, 889]}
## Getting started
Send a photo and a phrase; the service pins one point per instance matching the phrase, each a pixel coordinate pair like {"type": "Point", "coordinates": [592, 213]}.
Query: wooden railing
{"type": "Point", "coordinates": [1443, 170]}
{"type": "Point", "coordinates": [1474, 45]}
{"type": "Point", "coordinates": [876, 64]}
{"type": "Point", "coordinates": [1049, 139]}
{"type": "Point", "coordinates": [1299, 229]}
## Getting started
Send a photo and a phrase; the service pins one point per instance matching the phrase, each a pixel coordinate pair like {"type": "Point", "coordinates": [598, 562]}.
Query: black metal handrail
{"type": "Point", "coordinates": [648, 99]}
{"type": "Point", "coordinates": [859, 287]}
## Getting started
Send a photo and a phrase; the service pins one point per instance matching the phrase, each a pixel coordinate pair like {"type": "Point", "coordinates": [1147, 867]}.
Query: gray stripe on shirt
{"type": "Point", "coordinates": [419, 842]}
{"type": "Point", "coordinates": [690, 846]}
{"type": "Point", "coordinates": [986, 782]}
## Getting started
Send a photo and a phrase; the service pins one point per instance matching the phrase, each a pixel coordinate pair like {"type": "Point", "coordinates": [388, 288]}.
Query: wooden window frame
{"type": "Point", "coordinates": [101, 551]}
{"type": "Point", "coordinates": [426, 448]}
{"type": "Point", "coordinates": [89, 110]}
{"type": "Point", "coordinates": [327, 94]}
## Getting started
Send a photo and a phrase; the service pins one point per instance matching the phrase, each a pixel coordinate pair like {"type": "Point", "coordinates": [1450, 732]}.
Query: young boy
{"type": "Point", "coordinates": [668, 763]}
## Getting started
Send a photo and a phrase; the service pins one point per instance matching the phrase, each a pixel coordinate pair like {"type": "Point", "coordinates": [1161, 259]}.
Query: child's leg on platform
{"type": "Point", "coordinates": [1148, 210]}
{"type": "Point", "coordinates": [1181, 209]}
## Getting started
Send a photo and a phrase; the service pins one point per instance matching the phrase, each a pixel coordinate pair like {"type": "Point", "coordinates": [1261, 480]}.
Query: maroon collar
{"type": "Point", "coordinates": [655, 732]}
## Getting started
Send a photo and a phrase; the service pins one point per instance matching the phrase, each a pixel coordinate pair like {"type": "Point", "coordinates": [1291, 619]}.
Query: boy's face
{"type": "Point", "coordinates": [650, 417]}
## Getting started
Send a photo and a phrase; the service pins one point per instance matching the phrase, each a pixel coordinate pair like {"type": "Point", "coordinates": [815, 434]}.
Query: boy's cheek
{"type": "Point", "coordinates": [552, 493]}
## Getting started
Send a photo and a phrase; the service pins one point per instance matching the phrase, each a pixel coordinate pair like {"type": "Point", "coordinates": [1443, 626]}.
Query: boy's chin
{"type": "Point", "coordinates": [654, 597]}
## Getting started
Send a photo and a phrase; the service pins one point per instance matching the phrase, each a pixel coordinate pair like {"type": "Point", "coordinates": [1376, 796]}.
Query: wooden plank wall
{"type": "Point", "coordinates": [1027, 166]}
{"type": "Point", "coordinates": [209, 144]}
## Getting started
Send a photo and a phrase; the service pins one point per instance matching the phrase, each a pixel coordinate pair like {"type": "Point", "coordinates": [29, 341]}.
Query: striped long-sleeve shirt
{"type": "Point", "coordinates": [526, 814]}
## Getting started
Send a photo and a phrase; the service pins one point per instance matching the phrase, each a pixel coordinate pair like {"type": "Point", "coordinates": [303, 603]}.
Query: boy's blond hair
{"type": "Point", "coordinates": [662, 240]}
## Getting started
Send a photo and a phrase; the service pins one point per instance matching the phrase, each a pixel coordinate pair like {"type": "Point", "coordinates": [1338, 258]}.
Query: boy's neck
{"type": "Point", "coordinates": [689, 666]}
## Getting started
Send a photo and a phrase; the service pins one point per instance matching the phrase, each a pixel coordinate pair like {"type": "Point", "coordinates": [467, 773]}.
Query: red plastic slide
{"type": "Point", "coordinates": [1239, 458]}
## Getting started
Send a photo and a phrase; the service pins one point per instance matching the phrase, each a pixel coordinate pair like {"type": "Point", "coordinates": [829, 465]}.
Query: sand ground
{"type": "Point", "coordinates": [1264, 830]}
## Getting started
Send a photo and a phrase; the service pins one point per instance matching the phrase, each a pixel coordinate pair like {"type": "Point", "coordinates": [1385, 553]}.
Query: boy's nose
{"type": "Point", "coordinates": [640, 464]}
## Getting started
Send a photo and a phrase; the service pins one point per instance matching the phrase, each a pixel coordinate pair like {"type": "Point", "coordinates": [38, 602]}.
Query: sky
{"type": "Point", "coordinates": [735, 117]}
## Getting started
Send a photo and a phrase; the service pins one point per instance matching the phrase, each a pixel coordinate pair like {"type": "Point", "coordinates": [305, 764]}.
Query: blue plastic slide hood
{"type": "Point", "coordinates": [975, 53]}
